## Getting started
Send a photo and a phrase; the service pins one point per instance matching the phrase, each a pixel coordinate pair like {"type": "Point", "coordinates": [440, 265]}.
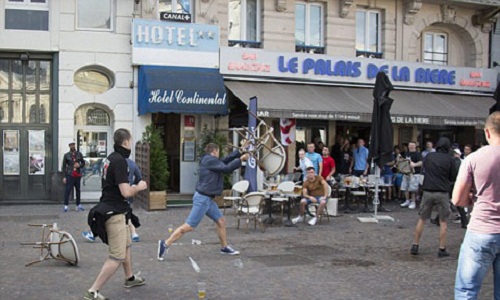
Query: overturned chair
{"type": "Point", "coordinates": [55, 244]}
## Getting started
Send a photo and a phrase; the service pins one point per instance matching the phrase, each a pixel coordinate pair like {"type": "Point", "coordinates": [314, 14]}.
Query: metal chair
{"type": "Point", "coordinates": [286, 187]}
{"type": "Point", "coordinates": [237, 191]}
{"type": "Point", "coordinates": [313, 207]}
{"type": "Point", "coordinates": [251, 208]}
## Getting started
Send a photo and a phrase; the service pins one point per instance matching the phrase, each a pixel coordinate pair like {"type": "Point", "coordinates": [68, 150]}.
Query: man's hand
{"type": "Point", "coordinates": [245, 157]}
{"type": "Point", "coordinates": [64, 180]}
{"type": "Point", "coordinates": [142, 185]}
{"type": "Point", "coordinates": [350, 170]}
{"type": "Point", "coordinates": [365, 172]}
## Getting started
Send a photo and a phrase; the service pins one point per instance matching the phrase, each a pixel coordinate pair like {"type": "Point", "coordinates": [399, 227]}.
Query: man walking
{"type": "Point", "coordinates": [115, 191]}
{"type": "Point", "coordinates": [440, 173]}
{"type": "Point", "coordinates": [481, 246]}
{"type": "Point", "coordinates": [72, 165]}
{"type": "Point", "coordinates": [210, 184]}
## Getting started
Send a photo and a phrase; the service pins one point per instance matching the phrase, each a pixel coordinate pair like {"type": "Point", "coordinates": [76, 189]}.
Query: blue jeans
{"type": "Point", "coordinates": [203, 205]}
{"type": "Point", "coordinates": [479, 252]}
{"type": "Point", "coordinates": [70, 183]}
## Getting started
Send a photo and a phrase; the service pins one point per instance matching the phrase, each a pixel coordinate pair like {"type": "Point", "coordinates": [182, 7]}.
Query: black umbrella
{"type": "Point", "coordinates": [381, 135]}
{"type": "Point", "coordinates": [496, 96]}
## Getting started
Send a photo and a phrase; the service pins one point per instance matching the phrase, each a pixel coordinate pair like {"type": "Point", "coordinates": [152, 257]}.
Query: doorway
{"type": "Point", "coordinates": [170, 128]}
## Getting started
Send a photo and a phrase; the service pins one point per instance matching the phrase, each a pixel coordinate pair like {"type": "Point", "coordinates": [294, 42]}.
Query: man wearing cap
{"type": "Point", "coordinates": [72, 166]}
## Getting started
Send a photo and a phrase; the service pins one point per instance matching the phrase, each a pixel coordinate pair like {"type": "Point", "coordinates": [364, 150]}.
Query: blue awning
{"type": "Point", "coordinates": [181, 90]}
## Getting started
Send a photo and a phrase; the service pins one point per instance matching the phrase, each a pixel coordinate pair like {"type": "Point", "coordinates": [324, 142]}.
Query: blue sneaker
{"type": "Point", "coordinates": [65, 208]}
{"type": "Point", "coordinates": [79, 208]}
{"type": "Point", "coordinates": [88, 235]}
{"type": "Point", "coordinates": [135, 238]}
{"type": "Point", "coordinates": [229, 250]}
{"type": "Point", "coordinates": [162, 249]}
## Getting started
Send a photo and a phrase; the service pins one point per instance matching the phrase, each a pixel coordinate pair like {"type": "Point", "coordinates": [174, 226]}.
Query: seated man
{"type": "Point", "coordinates": [315, 190]}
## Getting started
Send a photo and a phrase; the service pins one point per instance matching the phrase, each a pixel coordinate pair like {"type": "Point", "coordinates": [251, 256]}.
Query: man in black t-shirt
{"type": "Point", "coordinates": [115, 191]}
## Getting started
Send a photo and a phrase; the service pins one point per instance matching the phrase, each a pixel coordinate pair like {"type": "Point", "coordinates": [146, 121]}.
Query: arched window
{"type": "Point", "coordinates": [97, 116]}
{"type": "Point", "coordinates": [435, 48]}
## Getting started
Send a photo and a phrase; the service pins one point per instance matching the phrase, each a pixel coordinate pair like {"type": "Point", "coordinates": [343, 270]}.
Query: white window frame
{"type": "Point", "coordinates": [447, 48]}
{"type": "Point", "coordinates": [192, 2]}
{"type": "Point", "coordinates": [307, 37]}
{"type": "Point", "coordinates": [243, 19]}
{"type": "Point", "coordinates": [27, 5]}
{"type": "Point", "coordinates": [367, 29]}
{"type": "Point", "coordinates": [112, 18]}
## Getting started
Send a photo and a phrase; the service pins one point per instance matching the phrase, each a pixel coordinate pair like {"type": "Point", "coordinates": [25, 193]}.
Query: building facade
{"type": "Point", "coordinates": [73, 70]}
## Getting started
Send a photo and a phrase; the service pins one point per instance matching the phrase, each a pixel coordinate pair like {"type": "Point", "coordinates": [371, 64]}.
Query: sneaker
{"type": "Point", "coordinates": [414, 249]}
{"type": "Point", "coordinates": [134, 282]}
{"type": "Point", "coordinates": [135, 238]}
{"type": "Point", "coordinates": [65, 208]}
{"type": "Point", "coordinates": [93, 295]}
{"type": "Point", "coordinates": [79, 208]}
{"type": "Point", "coordinates": [443, 253]}
{"type": "Point", "coordinates": [312, 222]}
{"type": "Point", "coordinates": [412, 205]}
{"type": "Point", "coordinates": [162, 249]}
{"type": "Point", "coordinates": [229, 250]}
{"type": "Point", "coordinates": [406, 203]}
{"type": "Point", "coordinates": [297, 219]}
{"type": "Point", "coordinates": [88, 235]}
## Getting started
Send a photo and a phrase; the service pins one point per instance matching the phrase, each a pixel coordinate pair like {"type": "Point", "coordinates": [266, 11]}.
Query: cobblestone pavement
{"type": "Point", "coordinates": [343, 259]}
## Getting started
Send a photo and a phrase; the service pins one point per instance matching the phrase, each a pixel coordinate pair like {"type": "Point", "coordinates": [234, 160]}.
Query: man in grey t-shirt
{"type": "Point", "coordinates": [478, 183]}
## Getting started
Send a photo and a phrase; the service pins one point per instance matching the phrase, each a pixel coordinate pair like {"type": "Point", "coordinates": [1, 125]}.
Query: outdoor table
{"type": "Point", "coordinates": [348, 197]}
{"type": "Point", "coordinates": [288, 222]}
{"type": "Point", "coordinates": [269, 194]}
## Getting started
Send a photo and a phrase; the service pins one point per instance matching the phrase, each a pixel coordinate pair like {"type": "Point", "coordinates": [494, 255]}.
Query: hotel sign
{"type": "Point", "coordinates": [164, 43]}
{"type": "Point", "coordinates": [237, 62]}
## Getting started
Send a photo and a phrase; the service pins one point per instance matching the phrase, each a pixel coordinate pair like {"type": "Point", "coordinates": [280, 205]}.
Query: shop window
{"type": "Point", "coordinates": [25, 91]}
{"type": "Point", "coordinates": [94, 79]}
{"type": "Point", "coordinates": [244, 23]}
{"type": "Point", "coordinates": [95, 15]}
{"type": "Point", "coordinates": [368, 32]}
{"type": "Point", "coordinates": [309, 33]}
{"type": "Point", "coordinates": [435, 49]}
{"type": "Point", "coordinates": [27, 14]}
{"type": "Point", "coordinates": [176, 6]}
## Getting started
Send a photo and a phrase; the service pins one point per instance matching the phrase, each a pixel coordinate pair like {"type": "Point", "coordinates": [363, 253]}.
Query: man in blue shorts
{"type": "Point", "coordinates": [210, 184]}
{"type": "Point", "coordinates": [314, 190]}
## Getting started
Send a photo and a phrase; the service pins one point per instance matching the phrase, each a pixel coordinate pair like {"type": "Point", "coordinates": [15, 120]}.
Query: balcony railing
{"type": "Point", "coordinates": [310, 49]}
{"type": "Point", "coordinates": [243, 44]}
{"type": "Point", "coordinates": [368, 54]}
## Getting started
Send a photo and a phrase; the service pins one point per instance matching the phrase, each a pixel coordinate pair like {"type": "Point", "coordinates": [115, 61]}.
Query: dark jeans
{"type": "Point", "coordinates": [358, 173]}
{"type": "Point", "coordinates": [70, 183]}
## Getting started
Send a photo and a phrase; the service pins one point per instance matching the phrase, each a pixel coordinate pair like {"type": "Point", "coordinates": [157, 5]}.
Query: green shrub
{"type": "Point", "coordinates": [158, 164]}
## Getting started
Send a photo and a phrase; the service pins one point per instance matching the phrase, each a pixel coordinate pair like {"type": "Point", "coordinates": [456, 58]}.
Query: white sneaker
{"type": "Point", "coordinates": [312, 222]}
{"type": "Point", "coordinates": [412, 205]}
{"type": "Point", "coordinates": [298, 219]}
{"type": "Point", "coordinates": [406, 203]}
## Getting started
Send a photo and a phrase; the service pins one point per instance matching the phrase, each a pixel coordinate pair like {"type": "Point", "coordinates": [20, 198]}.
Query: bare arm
{"type": "Point", "coordinates": [128, 190]}
{"type": "Point", "coordinates": [320, 168]}
{"type": "Point", "coordinates": [460, 196]}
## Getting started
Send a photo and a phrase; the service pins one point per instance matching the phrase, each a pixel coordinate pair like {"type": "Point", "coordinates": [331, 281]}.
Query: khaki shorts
{"type": "Point", "coordinates": [410, 182]}
{"type": "Point", "coordinates": [439, 200]}
{"type": "Point", "coordinates": [118, 236]}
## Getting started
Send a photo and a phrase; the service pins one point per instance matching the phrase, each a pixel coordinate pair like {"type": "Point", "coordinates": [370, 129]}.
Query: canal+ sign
{"type": "Point", "coordinates": [163, 43]}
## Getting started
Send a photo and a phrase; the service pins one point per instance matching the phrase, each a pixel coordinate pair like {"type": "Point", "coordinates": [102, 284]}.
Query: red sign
{"type": "Point", "coordinates": [189, 121]}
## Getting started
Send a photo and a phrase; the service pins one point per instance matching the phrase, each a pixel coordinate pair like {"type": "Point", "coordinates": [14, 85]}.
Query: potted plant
{"type": "Point", "coordinates": [216, 136]}
{"type": "Point", "coordinates": [158, 168]}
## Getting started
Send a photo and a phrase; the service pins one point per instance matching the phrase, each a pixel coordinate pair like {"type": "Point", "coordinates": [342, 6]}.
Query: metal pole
{"type": "Point", "coordinates": [376, 201]}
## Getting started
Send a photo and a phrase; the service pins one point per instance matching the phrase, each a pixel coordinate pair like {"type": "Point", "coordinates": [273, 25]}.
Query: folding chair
{"type": "Point", "coordinates": [286, 187]}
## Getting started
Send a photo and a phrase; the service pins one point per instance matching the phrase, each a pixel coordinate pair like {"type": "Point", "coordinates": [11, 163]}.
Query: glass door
{"type": "Point", "coordinates": [93, 144]}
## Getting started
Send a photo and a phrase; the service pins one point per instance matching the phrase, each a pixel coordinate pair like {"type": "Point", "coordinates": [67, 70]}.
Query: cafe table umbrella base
{"type": "Point", "coordinates": [375, 218]}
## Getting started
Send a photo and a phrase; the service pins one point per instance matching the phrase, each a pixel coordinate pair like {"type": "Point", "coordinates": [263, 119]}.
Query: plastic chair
{"type": "Point", "coordinates": [55, 244]}
{"type": "Point", "coordinates": [286, 187]}
{"type": "Point", "coordinates": [250, 208]}
{"type": "Point", "coordinates": [237, 191]}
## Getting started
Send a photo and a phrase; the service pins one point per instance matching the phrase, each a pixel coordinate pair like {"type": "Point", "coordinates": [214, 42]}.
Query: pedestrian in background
{"type": "Point", "coordinates": [478, 183]}
{"type": "Point", "coordinates": [72, 166]}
